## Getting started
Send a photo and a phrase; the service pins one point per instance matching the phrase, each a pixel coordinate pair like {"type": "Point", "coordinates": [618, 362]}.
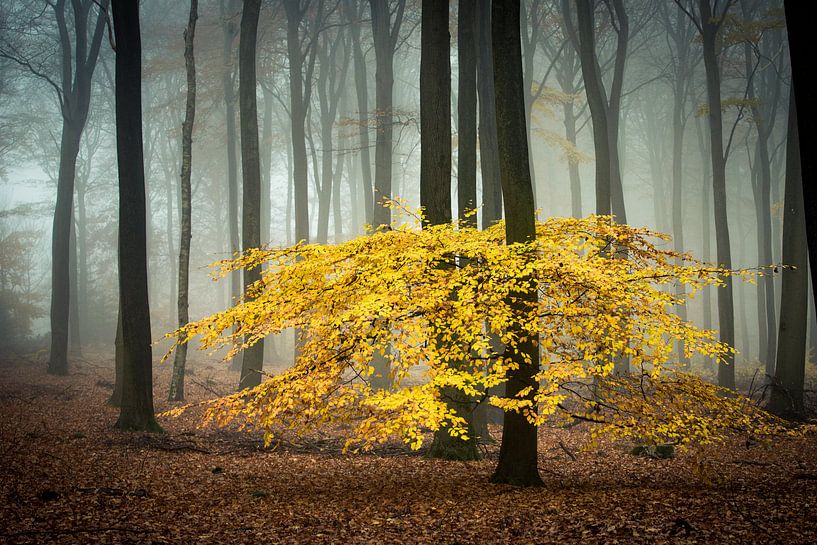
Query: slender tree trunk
{"type": "Point", "coordinates": [726, 307]}
{"type": "Point", "coordinates": [362, 94]}
{"type": "Point", "coordinates": [73, 311]}
{"type": "Point", "coordinates": [253, 356]}
{"type": "Point", "coordinates": [137, 384]}
{"type": "Point", "coordinates": [488, 145]}
{"type": "Point", "coordinates": [467, 113]}
{"type": "Point", "coordinates": [60, 250]}
{"type": "Point", "coordinates": [573, 165]}
{"type": "Point", "coordinates": [298, 114]}
{"type": "Point", "coordinates": [596, 102]}
{"type": "Point", "coordinates": [384, 43]}
{"type": "Point", "coordinates": [678, 127]}
{"type": "Point", "coordinates": [177, 380]}
{"type": "Point", "coordinates": [518, 451]}
{"type": "Point", "coordinates": [229, 28]}
{"type": "Point", "coordinates": [787, 388]}
{"type": "Point", "coordinates": [266, 167]}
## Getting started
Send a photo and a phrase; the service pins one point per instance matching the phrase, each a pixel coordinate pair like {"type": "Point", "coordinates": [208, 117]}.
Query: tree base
{"type": "Point", "coordinates": [445, 447]}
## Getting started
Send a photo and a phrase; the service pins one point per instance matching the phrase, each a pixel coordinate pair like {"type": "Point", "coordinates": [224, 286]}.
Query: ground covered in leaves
{"type": "Point", "coordinates": [67, 476]}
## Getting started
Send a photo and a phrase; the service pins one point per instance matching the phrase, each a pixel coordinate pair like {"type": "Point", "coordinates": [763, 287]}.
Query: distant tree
{"type": "Point", "coordinates": [177, 381]}
{"type": "Point", "coordinates": [79, 45]}
{"type": "Point", "coordinates": [253, 356]}
{"type": "Point", "coordinates": [386, 24]}
{"type": "Point", "coordinates": [518, 450]}
{"type": "Point", "coordinates": [488, 147]}
{"type": "Point", "coordinates": [136, 411]}
{"type": "Point", "coordinates": [228, 12]}
{"type": "Point", "coordinates": [708, 24]}
{"type": "Point", "coordinates": [467, 112]}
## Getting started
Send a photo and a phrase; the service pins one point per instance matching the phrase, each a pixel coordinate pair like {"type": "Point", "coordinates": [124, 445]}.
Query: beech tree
{"type": "Point", "coordinates": [79, 51]}
{"type": "Point", "coordinates": [177, 381]}
{"type": "Point", "coordinates": [136, 411]}
{"type": "Point", "coordinates": [253, 357]}
{"type": "Point", "coordinates": [518, 450]}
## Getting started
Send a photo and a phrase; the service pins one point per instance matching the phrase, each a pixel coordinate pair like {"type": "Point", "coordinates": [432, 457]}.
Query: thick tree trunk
{"type": "Point", "coordinates": [435, 178]}
{"type": "Point", "coordinates": [518, 451]}
{"type": "Point", "coordinates": [726, 309]}
{"type": "Point", "coordinates": [787, 387]}
{"type": "Point", "coordinates": [253, 356]}
{"type": "Point", "coordinates": [799, 19]}
{"type": "Point", "coordinates": [137, 384]}
{"type": "Point", "coordinates": [177, 380]}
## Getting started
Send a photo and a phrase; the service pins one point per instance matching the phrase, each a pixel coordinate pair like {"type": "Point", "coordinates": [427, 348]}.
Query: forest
{"type": "Point", "coordinates": [449, 272]}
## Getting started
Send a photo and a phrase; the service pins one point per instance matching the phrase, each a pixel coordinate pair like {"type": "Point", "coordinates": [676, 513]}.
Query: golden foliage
{"type": "Point", "coordinates": [391, 292]}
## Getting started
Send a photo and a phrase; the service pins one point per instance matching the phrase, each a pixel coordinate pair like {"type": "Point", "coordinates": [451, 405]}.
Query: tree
{"type": "Point", "coordinates": [787, 388]}
{"type": "Point", "coordinates": [227, 11]}
{"type": "Point", "coordinates": [385, 32]}
{"type": "Point", "coordinates": [488, 147]}
{"type": "Point", "coordinates": [394, 287]}
{"type": "Point", "coordinates": [798, 17]}
{"type": "Point", "coordinates": [467, 112]}
{"type": "Point", "coordinates": [177, 381]}
{"type": "Point", "coordinates": [137, 381]}
{"type": "Point", "coordinates": [253, 356]}
{"type": "Point", "coordinates": [708, 23]}
{"type": "Point", "coordinates": [518, 450]}
{"type": "Point", "coordinates": [78, 59]}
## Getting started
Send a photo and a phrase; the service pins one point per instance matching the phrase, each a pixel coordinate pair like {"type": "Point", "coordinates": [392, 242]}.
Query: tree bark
{"type": "Point", "coordinates": [177, 380]}
{"type": "Point", "coordinates": [726, 308]}
{"type": "Point", "coordinates": [488, 146]}
{"type": "Point", "coordinates": [467, 113]}
{"type": "Point", "coordinates": [799, 18]}
{"type": "Point", "coordinates": [787, 387]}
{"type": "Point", "coordinates": [253, 356]}
{"type": "Point", "coordinates": [137, 384]}
{"type": "Point", "coordinates": [518, 451]}
{"type": "Point", "coordinates": [75, 101]}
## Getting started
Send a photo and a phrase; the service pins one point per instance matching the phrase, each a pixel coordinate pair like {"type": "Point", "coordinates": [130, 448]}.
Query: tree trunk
{"type": "Point", "coordinates": [75, 342]}
{"type": "Point", "coordinates": [228, 9]}
{"type": "Point", "coordinates": [787, 388]}
{"type": "Point", "coordinates": [60, 249]}
{"type": "Point", "coordinates": [119, 362]}
{"type": "Point", "coordinates": [726, 309]}
{"type": "Point", "coordinates": [467, 113]}
{"type": "Point", "coordinates": [362, 94]}
{"type": "Point", "coordinates": [137, 384]}
{"type": "Point", "coordinates": [596, 102]}
{"type": "Point", "coordinates": [518, 451]}
{"type": "Point", "coordinates": [799, 18]}
{"type": "Point", "coordinates": [253, 356]}
{"type": "Point", "coordinates": [177, 380]}
{"type": "Point", "coordinates": [298, 108]}
{"type": "Point", "coordinates": [488, 146]}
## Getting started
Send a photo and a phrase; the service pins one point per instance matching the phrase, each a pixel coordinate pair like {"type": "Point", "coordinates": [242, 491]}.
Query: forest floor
{"type": "Point", "coordinates": [67, 476]}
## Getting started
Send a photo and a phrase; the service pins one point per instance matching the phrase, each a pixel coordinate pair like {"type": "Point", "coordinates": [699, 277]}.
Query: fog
{"type": "Point", "coordinates": [663, 64]}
